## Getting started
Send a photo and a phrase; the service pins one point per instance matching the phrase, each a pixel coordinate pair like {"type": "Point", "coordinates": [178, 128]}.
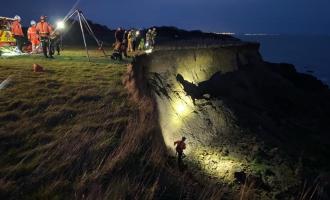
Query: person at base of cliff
{"type": "Point", "coordinates": [16, 29]}
{"type": "Point", "coordinates": [180, 147]}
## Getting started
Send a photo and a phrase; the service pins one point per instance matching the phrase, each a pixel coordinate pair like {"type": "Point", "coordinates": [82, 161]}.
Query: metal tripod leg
{"type": "Point", "coordinates": [83, 34]}
{"type": "Point", "coordinates": [92, 34]}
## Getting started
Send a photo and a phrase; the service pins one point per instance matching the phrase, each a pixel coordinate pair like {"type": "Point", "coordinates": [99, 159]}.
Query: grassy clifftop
{"type": "Point", "coordinates": [74, 132]}
{"type": "Point", "coordinates": [59, 125]}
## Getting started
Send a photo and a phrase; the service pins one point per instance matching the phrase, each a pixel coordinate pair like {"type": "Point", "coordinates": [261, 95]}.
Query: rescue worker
{"type": "Point", "coordinates": [33, 36]}
{"type": "Point", "coordinates": [136, 35]}
{"type": "Point", "coordinates": [16, 29]}
{"type": "Point", "coordinates": [44, 30]}
{"type": "Point", "coordinates": [153, 37]}
{"type": "Point", "coordinates": [141, 45]}
{"type": "Point", "coordinates": [120, 45]}
{"type": "Point", "coordinates": [119, 35]}
{"type": "Point", "coordinates": [148, 39]}
{"type": "Point", "coordinates": [55, 42]}
{"type": "Point", "coordinates": [124, 45]}
{"type": "Point", "coordinates": [180, 146]}
{"type": "Point", "coordinates": [130, 39]}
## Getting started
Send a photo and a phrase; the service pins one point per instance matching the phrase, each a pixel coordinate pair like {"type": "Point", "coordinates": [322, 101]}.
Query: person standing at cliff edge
{"type": "Point", "coordinates": [153, 37]}
{"type": "Point", "coordinates": [130, 38]}
{"type": "Point", "coordinates": [180, 146]}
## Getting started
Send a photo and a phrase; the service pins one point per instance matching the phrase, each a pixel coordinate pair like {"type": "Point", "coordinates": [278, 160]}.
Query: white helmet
{"type": "Point", "coordinates": [17, 18]}
{"type": "Point", "coordinates": [33, 23]}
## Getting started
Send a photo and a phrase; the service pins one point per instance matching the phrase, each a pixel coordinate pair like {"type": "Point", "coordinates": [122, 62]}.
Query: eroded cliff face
{"type": "Point", "coordinates": [232, 106]}
{"type": "Point", "coordinates": [207, 123]}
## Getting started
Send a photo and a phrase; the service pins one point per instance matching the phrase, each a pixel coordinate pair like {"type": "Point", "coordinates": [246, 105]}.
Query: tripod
{"type": "Point", "coordinates": [84, 24]}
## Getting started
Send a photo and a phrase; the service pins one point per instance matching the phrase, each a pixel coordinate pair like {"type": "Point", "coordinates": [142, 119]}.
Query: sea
{"type": "Point", "coordinates": [309, 53]}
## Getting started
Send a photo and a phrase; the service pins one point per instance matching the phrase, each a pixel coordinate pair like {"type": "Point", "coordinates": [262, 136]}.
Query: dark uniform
{"type": "Point", "coordinates": [55, 42]}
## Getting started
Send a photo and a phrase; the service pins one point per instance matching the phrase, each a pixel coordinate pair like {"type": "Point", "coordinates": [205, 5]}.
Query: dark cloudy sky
{"type": "Point", "coordinates": [240, 16]}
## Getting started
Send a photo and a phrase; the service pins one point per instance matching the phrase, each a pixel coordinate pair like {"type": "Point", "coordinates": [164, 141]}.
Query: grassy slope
{"type": "Point", "coordinates": [58, 125]}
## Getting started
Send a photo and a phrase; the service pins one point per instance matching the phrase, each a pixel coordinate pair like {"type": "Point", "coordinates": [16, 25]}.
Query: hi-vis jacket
{"type": "Point", "coordinates": [44, 29]}
{"type": "Point", "coordinates": [33, 35]}
{"type": "Point", "coordinates": [16, 29]}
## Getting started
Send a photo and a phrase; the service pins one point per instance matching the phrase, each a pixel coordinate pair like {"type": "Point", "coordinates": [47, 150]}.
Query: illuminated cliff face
{"type": "Point", "coordinates": [184, 111]}
{"type": "Point", "coordinates": [236, 111]}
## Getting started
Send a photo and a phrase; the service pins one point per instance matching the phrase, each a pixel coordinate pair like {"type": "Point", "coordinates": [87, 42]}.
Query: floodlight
{"type": "Point", "coordinates": [60, 25]}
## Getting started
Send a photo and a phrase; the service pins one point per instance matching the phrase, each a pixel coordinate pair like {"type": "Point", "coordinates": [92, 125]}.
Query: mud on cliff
{"type": "Point", "coordinates": [244, 118]}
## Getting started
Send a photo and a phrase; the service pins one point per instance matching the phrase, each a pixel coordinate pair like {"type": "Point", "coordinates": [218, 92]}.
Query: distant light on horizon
{"type": "Point", "coordinates": [260, 34]}
{"type": "Point", "coordinates": [225, 33]}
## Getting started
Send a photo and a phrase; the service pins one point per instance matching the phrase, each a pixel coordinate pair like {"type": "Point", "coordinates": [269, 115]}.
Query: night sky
{"type": "Point", "coordinates": [239, 16]}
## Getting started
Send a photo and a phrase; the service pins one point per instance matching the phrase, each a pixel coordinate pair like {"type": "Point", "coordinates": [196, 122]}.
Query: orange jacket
{"type": "Point", "coordinates": [180, 146]}
{"type": "Point", "coordinates": [16, 29]}
{"type": "Point", "coordinates": [43, 29]}
{"type": "Point", "coordinates": [33, 35]}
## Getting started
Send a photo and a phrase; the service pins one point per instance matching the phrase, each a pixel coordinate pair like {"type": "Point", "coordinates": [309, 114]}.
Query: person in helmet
{"type": "Point", "coordinates": [119, 34]}
{"type": "Point", "coordinates": [148, 39]}
{"type": "Point", "coordinates": [33, 36]}
{"type": "Point", "coordinates": [180, 146]}
{"type": "Point", "coordinates": [153, 37]}
{"type": "Point", "coordinates": [16, 29]}
{"type": "Point", "coordinates": [141, 45]}
{"type": "Point", "coordinates": [120, 44]}
{"type": "Point", "coordinates": [125, 44]}
{"type": "Point", "coordinates": [130, 41]}
{"type": "Point", "coordinates": [44, 30]}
